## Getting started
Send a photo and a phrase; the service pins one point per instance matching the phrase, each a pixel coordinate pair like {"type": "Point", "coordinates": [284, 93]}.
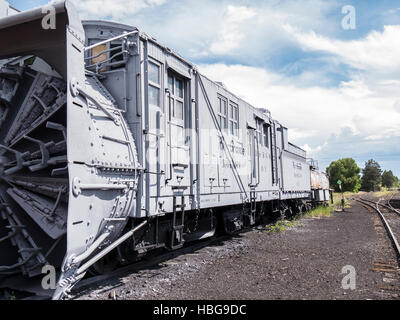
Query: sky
{"type": "Point", "coordinates": [331, 76]}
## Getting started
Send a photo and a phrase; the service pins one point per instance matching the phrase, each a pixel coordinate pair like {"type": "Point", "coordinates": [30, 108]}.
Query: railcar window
{"type": "Point", "coordinates": [177, 91]}
{"type": "Point", "coordinates": [259, 132]}
{"type": "Point", "coordinates": [223, 113]}
{"type": "Point", "coordinates": [233, 119]}
{"type": "Point", "coordinates": [154, 96]}
{"type": "Point", "coordinates": [171, 86]}
{"type": "Point", "coordinates": [179, 88]}
{"type": "Point", "coordinates": [154, 84]}
{"type": "Point", "coordinates": [265, 135]}
{"type": "Point", "coordinates": [154, 73]}
{"type": "Point", "coordinates": [178, 110]}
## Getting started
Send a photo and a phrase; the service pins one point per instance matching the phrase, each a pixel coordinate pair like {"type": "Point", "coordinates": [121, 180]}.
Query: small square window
{"type": "Point", "coordinates": [179, 88]}
{"type": "Point", "coordinates": [171, 84]}
{"type": "Point", "coordinates": [222, 122]}
{"type": "Point", "coordinates": [265, 134]}
{"type": "Point", "coordinates": [178, 110]}
{"type": "Point", "coordinates": [234, 118]}
{"type": "Point", "coordinates": [154, 73]}
{"type": "Point", "coordinates": [231, 127]}
{"type": "Point", "coordinates": [154, 96]}
{"type": "Point", "coordinates": [222, 106]}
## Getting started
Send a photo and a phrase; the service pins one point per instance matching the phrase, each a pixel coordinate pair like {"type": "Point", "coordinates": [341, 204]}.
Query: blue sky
{"type": "Point", "coordinates": [337, 90]}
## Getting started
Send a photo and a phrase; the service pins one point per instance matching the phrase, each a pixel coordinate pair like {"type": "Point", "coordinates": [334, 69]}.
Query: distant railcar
{"type": "Point", "coordinates": [112, 145]}
{"type": "Point", "coordinates": [320, 191]}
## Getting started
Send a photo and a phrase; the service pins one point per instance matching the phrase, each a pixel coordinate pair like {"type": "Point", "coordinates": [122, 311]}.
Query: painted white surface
{"type": "Point", "coordinates": [6, 10]}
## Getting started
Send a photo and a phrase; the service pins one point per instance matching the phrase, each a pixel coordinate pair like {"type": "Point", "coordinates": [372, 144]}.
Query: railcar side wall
{"type": "Point", "coordinates": [194, 138]}
{"type": "Point", "coordinates": [296, 173]}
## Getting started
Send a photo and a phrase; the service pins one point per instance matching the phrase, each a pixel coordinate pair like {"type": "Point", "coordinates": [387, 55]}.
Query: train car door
{"type": "Point", "coordinates": [253, 155]}
{"type": "Point", "coordinates": [274, 155]}
{"type": "Point", "coordinates": [178, 149]}
{"type": "Point", "coordinates": [156, 133]}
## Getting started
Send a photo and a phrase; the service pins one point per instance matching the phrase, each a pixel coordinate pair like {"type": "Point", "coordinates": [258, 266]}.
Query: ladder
{"type": "Point", "coordinates": [274, 156]}
{"type": "Point", "coordinates": [178, 223]}
{"type": "Point", "coordinates": [253, 207]}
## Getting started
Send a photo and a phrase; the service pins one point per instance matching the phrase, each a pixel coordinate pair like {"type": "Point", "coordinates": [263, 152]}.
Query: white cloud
{"type": "Point", "coordinates": [230, 35]}
{"type": "Point", "coordinates": [378, 51]}
{"type": "Point", "coordinates": [206, 28]}
{"type": "Point", "coordinates": [314, 113]}
{"type": "Point", "coordinates": [116, 9]}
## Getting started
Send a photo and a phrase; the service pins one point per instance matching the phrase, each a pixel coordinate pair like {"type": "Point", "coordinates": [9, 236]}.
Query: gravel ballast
{"type": "Point", "coordinates": [304, 262]}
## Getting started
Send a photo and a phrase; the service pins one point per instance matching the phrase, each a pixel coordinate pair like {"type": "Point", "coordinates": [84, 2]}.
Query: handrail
{"type": "Point", "coordinates": [124, 35]}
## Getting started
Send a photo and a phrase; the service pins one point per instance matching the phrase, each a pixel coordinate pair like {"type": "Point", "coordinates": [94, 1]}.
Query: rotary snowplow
{"type": "Point", "coordinates": [68, 163]}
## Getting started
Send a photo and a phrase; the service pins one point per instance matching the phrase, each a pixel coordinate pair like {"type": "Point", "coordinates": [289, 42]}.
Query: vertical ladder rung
{"type": "Point", "coordinates": [178, 243]}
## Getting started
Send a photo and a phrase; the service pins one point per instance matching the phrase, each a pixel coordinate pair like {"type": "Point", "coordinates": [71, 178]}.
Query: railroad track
{"type": "Point", "coordinates": [390, 218]}
{"type": "Point", "coordinates": [390, 205]}
{"type": "Point", "coordinates": [388, 214]}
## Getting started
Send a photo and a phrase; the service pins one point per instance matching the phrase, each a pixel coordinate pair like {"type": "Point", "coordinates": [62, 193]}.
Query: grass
{"type": "Point", "coordinates": [384, 192]}
{"type": "Point", "coordinates": [318, 212]}
{"type": "Point", "coordinates": [322, 211]}
{"type": "Point", "coordinates": [337, 200]}
{"type": "Point", "coordinates": [280, 226]}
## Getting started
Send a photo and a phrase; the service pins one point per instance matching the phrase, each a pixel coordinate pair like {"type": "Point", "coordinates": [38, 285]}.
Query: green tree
{"type": "Point", "coordinates": [372, 176]}
{"type": "Point", "coordinates": [347, 171]}
{"type": "Point", "coordinates": [389, 180]}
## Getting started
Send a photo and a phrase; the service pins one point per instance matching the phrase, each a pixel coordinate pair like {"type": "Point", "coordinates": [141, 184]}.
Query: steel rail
{"type": "Point", "coordinates": [382, 205]}
{"type": "Point", "coordinates": [390, 205]}
{"type": "Point", "coordinates": [385, 223]}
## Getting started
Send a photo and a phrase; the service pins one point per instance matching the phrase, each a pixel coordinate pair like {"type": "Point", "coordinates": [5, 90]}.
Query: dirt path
{"type": "Point", "coordinates": [305, 262]}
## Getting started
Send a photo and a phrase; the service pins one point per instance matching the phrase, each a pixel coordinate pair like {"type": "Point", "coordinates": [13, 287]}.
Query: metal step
{"type": "Point", "coordinates": [178, 223]}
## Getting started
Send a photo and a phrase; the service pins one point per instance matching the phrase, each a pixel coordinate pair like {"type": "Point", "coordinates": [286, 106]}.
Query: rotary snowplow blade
{"type": "Point", "coordinates": [62, 198]}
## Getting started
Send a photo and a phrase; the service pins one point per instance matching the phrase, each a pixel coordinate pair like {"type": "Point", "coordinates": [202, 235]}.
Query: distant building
{"type": "Point", "coordinates": [6, 9]}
